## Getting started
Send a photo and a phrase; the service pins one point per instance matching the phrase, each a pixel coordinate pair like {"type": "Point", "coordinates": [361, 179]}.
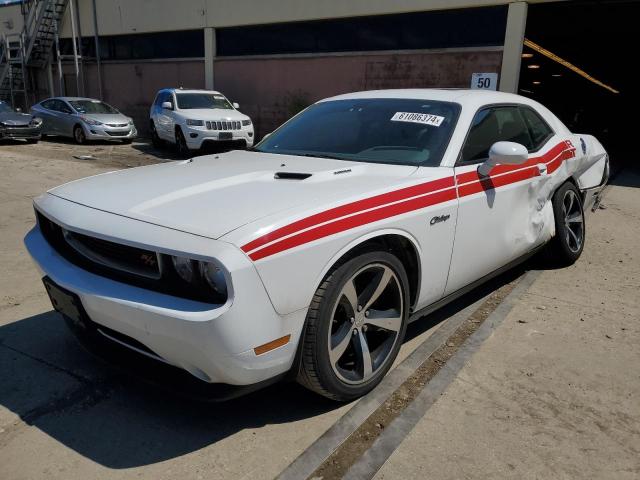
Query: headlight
{"type": "Point", "coordinates": [214, 277]}
{"type": "Point", "coordinates": [205, 278]}
{"type": "Point", "coordinates": [195, 123]}
{"type": "Point", "coordinates": [184, 268]}
{"type": "Point", "coordinates": [246, 123]}
{"type": "Point", "coordinates": [90, 121]}
{"type": "Point", "coordinates": [36, 122]}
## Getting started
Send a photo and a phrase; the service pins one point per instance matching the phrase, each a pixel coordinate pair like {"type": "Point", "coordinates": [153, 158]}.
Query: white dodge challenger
{"type": "Point", "coordinates": [309, 254]}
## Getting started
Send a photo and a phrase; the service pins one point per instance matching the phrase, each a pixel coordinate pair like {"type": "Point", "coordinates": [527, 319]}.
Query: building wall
{"type": "Point", "coordinates": [271, 90]}
{"type": "Point", "coordinates": [131, 87]}
{"type": "Point", "coordinates": [137, 16]}
{"type": "Point", "coordinates": [10, 19]}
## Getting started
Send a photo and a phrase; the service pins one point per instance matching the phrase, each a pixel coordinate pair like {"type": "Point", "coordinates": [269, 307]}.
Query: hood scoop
{"type": "Point", "coordinates": [291, 176]}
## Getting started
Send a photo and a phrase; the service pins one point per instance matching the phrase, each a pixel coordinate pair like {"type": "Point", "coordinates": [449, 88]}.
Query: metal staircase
{"type": "Point", "coordinates": [30, 49]}
{"type": "Point", "coordinates": [12, 70]}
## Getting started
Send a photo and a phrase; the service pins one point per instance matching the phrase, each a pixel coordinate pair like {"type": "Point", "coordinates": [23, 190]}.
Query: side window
{"type": "Point", "coordinates": [492, 125]}
{"type": "Point", "coordinates": [165, 97]}
{"type": "Point", "coordinates": [49, 104]}
{"type": "Point", "coordinates": [62, 107]}
{"type": "Point", "coordinates": [539, 129]}
{"type": "Point", "coordinates": [160, 98]}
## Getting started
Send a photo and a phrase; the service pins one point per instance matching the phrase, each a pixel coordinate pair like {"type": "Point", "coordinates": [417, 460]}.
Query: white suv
{"type": "Point", "coordinates": [189, 118]}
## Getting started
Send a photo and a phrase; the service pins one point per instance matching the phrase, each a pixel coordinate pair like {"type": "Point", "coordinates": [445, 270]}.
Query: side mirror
{"type": "Point", "coordinates": [236, 105]}
{"type": "Point", "coordinates": [167, 105]}
{"type": "Point", "coordinates": [503, 153]}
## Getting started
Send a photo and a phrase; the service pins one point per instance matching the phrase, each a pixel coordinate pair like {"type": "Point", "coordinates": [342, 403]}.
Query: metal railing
{"type": "Point", "coordinates": [32, 47]}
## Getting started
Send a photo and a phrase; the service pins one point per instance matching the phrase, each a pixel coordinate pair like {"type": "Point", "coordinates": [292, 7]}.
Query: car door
{"type": "Point", "coordinates": [66, 119]}
{"type": "Point", "coordinates": [499, 217]}
{"type": "Point", "coordinates": [46, 111]}
{"type": "Point", "coordinates": [164, 118]}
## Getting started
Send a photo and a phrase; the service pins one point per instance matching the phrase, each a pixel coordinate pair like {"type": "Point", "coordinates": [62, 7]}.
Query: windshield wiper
{"type": "Point", "coordinates": [319, 155]}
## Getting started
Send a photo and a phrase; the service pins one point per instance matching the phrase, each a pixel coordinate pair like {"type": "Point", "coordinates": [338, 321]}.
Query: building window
{"type": "Point", "coordinates": [408, 31]}
{"type": "Point", "coordinates": [139, 46]}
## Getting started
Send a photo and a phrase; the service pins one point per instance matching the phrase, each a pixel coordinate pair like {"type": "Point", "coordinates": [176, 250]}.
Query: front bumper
{"type": "Point", "coordinates": [197, 137]}
{"type": "Point", "coordinates": [213, 342]}
{"type": "Point", "coordinates": [27, 132]}
{"type": "Point", "coordinates": [103, 132]}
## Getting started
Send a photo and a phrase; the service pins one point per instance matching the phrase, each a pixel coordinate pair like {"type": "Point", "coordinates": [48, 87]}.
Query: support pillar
{"type": "Point", "coordinates": [512, 53]}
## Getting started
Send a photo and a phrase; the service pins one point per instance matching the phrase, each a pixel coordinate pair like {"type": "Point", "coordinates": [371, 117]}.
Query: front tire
{"type": "Point", "coordinates": [181, 144]}
{"type": "Point", "coordinates": [355, 326]}
{"type": "Point", "coordinates": [567, 245]}
{"type": "Point", "coordinates": [79, 136]}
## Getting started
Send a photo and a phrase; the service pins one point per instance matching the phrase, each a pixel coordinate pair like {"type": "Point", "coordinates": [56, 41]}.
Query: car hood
{"type": "Point", "coordinates": [212, 114]}
{"type": "Point", "coordinates": [215, 194]}
{"type": "Point", "coordinates": [15, 118]}
{"type": "Point", "coordinates": [107, 117]}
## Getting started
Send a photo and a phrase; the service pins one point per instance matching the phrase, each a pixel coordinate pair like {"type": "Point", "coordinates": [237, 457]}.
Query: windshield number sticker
{"type": "Point", "coordinates": [424, 118]}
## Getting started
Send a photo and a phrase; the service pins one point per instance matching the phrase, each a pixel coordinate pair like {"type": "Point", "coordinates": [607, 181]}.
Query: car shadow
{"type": "Point", "coordinates": [120, 420]}
{"type": "Point", "coordinates": [169, 152]}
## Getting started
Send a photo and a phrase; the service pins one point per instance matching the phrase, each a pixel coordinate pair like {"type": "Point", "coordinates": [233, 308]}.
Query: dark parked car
{"type": "Point", "coordinates": [15, 124]}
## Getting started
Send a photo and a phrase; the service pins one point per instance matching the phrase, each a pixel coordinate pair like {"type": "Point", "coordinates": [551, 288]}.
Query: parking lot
{"type": "Point", "coordinates": [548, 389]}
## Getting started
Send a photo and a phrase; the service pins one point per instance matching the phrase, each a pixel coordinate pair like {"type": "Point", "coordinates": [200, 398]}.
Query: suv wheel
{"type": "Point", "coordinates": [181, 144]}
{"type": "Point", "coordinates": [155, 139]}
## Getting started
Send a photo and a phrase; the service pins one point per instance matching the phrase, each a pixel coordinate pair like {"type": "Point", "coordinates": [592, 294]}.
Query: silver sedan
{"type": "Point", "coordinates": [83, 119]}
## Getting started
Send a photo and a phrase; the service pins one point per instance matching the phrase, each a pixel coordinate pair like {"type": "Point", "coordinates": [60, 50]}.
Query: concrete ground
{"type": "Point", "coordinates": [555, 391]}
{"type": "Point", "coordinates": [552, 394]}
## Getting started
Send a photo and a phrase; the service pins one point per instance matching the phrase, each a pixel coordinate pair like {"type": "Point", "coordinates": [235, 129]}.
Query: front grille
{"type": "Point", "coordinates": [117, 125]}
{"type": "Point", "coordinates": [115, 255]}
{"type": "Point", "coordinates": [123, 263]}
{"type": "Point", "coordinates": [118, 134]}
{"type": "Point", "coordinates": [223, 125]}
{"type": "Point", "coordinates": [20, 131]}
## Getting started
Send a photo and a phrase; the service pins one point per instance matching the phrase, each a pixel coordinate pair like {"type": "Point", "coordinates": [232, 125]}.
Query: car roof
{"type": "Point", "coordinates": [458, 95]}
{"type": "Point", "coordinates": [189, 90]}
{"type": "Point", "coordinates": [75, 99]}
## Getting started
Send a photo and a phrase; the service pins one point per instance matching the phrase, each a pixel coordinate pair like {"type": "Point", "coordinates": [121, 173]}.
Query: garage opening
{"type": "Point", "coordinates": [579, 61]}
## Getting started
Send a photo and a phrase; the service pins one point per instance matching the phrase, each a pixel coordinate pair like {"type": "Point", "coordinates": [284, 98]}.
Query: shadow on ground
{"type": "Point", "coordinates": [121, 421]}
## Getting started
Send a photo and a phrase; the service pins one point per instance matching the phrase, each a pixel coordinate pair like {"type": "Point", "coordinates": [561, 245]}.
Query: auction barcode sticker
{"type": "Point", "coordinates": [424, 118]}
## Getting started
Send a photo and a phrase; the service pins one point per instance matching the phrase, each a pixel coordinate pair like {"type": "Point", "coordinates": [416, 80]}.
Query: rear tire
{"type": "Point", "coordinates": [567, 245]}
{"type": "Point", "coordinates": [156, 141]}
{"type": "Point", "coordinates": [78, 135]}
{"type": "Point", "coordinates": [355, 326]}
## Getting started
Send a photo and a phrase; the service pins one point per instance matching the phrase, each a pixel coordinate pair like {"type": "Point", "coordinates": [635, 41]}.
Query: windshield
{"type": "Point", "coordinates": [92, 106]}
{"type": "Point", "coordinates": [380, 130]}
{"type": "Point", "coordinates": [4, 108]}
{"type": "Point", "coordinates": [188, 101]}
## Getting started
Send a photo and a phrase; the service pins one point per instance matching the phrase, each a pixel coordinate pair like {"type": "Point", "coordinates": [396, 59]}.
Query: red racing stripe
{"type": "Point", "coordinates": [500, 169]}
{"type": "Point", "coordinates": [354, 221]}
{"type": "Point", "coordinates": [332, 221]}
{"type": "Point", "coordinates": [349, 209]}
